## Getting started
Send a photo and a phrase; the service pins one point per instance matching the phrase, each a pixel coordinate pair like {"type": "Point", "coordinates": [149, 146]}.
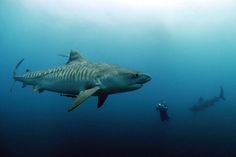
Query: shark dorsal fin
{"type": "Point", "coordinates": [75, 56]}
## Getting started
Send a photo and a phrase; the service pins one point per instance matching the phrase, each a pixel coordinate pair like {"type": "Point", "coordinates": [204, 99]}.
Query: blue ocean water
{"type": "Point", "coordinates": [187, 47]}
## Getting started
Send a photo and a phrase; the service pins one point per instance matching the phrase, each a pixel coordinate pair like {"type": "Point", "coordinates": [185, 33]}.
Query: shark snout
{"type": "Point", "coordinates": [144, 78]}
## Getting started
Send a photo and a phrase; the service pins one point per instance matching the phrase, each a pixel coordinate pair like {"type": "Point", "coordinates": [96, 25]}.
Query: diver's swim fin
{"type": "Point", "coordinates": [222, 94]}
{"type": "Point", "coordinates": [83, 95]}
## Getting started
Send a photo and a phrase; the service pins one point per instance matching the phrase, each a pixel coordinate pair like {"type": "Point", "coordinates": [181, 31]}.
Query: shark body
{"type": "Point", "coordinates": [79, 79]}
{"type": "Point", "coordinates": [203, 104]}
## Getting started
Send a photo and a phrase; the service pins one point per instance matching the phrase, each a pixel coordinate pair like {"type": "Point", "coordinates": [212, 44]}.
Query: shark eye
{"type": "Point", "coordinates": [134, 75]}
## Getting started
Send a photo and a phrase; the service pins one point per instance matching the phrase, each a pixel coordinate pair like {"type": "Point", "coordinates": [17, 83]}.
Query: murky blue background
{"type": "Point", "coordinates": [189, 49]}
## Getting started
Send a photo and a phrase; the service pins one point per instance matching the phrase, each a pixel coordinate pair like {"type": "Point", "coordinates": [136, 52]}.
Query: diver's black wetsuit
{"type": "Point", "coordinates": [162, 108]}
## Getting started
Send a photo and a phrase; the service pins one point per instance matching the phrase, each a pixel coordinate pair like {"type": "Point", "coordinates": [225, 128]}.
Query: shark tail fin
{"type": "Point", "coordinates": [17, 66]}
{"type": "Point", "coordinates": [222, 94]}
{"type": "Point", "coordinates": [14, 73]}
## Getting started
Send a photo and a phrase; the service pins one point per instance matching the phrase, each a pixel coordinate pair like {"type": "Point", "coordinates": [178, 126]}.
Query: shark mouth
{"type": "Point", "coordinates": [136, 85]}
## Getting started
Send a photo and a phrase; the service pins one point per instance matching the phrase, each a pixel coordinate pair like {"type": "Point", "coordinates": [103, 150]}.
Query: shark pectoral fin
{"type": "Point", "coordinates": [83, 95]}
{"type": "Point", "coordinates": [101, 99]}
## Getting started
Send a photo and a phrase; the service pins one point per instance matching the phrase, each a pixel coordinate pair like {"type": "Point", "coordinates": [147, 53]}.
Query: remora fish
{"type": "Point", "coordinates": [81, 79]}
{"type": "Point", "coordinates": [203, 104]}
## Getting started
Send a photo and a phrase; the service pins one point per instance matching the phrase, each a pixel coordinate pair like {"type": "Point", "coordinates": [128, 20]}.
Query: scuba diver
{"type": "Point", "coordinates": [162, 108]}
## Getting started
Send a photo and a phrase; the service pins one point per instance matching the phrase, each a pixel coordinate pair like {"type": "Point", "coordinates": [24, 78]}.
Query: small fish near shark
{"type": "Point", "coordinates": [203, 104]}
{"type": "Point", "coordinates": [80, 79]}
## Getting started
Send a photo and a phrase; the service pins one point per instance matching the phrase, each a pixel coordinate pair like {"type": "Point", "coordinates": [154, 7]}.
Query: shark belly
{"type": "Point", "coordinates": [62, 86]}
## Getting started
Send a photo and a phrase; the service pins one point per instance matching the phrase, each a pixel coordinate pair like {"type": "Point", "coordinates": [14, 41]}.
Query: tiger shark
{"type": "Point", "coordinates": [203, 104]}
{"type": "Point", "coordinates": [80, 79]}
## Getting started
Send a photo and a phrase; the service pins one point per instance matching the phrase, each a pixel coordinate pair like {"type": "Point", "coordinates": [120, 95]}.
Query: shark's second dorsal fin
{"type": "Point", "coordinates": [75, 56]}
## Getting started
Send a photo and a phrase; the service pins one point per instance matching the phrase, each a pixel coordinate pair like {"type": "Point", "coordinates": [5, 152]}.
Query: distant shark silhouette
{"type": "Point", "coordinates": [80, 79]}
{"type": "Point", "coordinates": [203, 104]}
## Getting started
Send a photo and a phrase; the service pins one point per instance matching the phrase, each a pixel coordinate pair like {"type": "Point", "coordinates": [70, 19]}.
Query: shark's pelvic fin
{"type": "Point", "coordinates": [101, 99]}
{"type": "Point", "coordinates": [75, 56]}
{"type": "Point", "coordinates": [37, 88]}
{"type": "Point", "coordinates": [83, 95]}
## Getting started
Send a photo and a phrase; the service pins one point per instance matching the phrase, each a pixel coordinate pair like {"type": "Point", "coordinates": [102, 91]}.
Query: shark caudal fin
{"type": "Point", "coordinates": [222, 96]}
{"type": "Point", "coordinates": [17, 66]}
{"type": "Point", "coordinates": [14, 73]}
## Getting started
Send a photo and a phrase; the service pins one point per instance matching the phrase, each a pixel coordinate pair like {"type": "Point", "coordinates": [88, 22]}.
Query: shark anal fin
{"type": "Point", "coordinates": [101, 99]}
{"type": "Point", "coordinates": [83, 95]}
{"type": "Point", "coordinates": [24, 85]}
